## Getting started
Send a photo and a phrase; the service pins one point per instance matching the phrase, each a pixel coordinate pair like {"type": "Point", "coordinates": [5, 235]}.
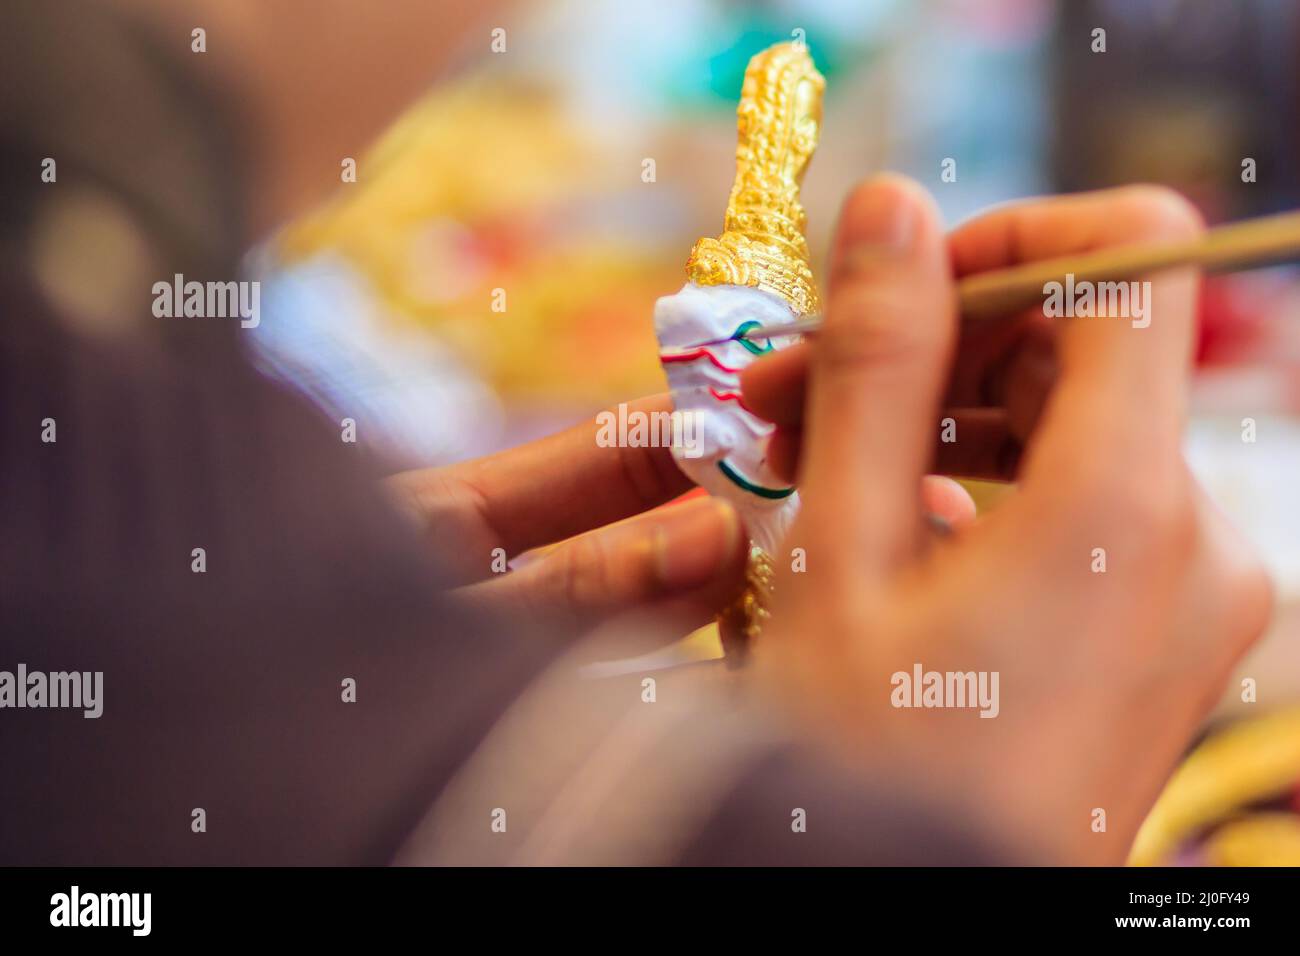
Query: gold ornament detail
{"type": "Point", "coordinates": [741, 621]}
{"type": "Point", "coordinates": [778, 122]}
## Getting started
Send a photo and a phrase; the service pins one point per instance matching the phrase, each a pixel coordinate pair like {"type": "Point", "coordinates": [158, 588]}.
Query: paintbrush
{"type": "Point", "coordinates": [1248, 244]}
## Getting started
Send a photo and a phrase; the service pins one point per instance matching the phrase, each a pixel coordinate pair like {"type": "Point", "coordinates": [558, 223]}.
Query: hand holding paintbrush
{"type": "Point", "coordinates": [1243, 245]}
{"type": "Point", "coordinates": [1003, 372]}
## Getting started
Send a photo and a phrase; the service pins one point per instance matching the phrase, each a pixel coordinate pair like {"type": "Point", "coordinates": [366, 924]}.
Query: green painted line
{"type": "Point", "coordinates": [749, 486]}
{"type": "Point", "coordinates": [745, 327]}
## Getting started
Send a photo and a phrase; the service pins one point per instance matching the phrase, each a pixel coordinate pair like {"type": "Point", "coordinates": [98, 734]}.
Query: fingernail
{"type": "Point", "coordinates": [693, 542]}
{"type": "Point", "coordinates": [881, 217]}
{"type": "Point", "coordinates": [938, 524]}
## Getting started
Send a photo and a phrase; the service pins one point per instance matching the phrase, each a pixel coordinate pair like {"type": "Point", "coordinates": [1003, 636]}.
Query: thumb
{"type": "Point", "coordinates": [690, 555]}
{"type": "Point", "coordinates": [876, 371]}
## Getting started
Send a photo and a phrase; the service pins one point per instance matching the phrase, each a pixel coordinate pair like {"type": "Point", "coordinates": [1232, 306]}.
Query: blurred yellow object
{"type": "Point", "coordinates": [1263, 839]}
{"type": "Point", "coordinates": [987, 495]}
{"type": "Point", "coordinates": [469, 152]}
{"type": "Point", "coordinates": [1243, 764]}
{"type": "Point", "coordinates": [704, 644]}
{"type": "Point", "coordinates": [462, 219]}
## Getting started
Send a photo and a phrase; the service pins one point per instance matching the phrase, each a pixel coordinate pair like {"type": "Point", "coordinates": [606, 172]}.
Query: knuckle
{"type": "Point", "coordinates": [1253, 596]}
{"type": "Point", "coordinates": [1150, 513]}
{"type": "Point", "coordinates": [583, 571]}
{"type": "Point", "coordinates": [1161, 518]}
{"type": "Point", "coordinates": [653, 478]}
{"type": "Point", "coordinates": [1155, 503]}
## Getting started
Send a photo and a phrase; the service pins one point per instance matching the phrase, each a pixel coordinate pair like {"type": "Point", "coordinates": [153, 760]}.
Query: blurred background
{"type": "Point", "coordinates": [491, 274]}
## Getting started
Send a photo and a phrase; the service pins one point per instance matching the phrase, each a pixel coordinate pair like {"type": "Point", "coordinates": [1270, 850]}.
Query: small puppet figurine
{"type": "Point", "coordinates": [755, 273]}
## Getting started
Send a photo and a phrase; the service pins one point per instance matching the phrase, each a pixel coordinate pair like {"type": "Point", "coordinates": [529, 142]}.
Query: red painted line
{"type": "Point", "coordinates": [729, 397]}
{"type": "Point", "coordinates": [691, 356]}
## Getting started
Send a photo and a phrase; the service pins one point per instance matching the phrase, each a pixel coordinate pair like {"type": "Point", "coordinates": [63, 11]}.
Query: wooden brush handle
{"type": "Point", "coordinates": [1253, 242]}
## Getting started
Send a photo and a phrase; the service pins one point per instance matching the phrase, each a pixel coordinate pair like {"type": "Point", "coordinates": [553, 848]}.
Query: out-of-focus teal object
{"type": "Point", "coordinates": [727, 69]}
{"type": "Point", "coordinates": [711, 79]}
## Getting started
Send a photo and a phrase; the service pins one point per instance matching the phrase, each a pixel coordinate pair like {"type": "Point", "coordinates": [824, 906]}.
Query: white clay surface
{"type": "Point", "coordinates": [728, 435]}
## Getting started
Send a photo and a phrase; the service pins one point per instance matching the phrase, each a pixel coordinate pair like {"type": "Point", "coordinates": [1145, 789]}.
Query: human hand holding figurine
{"type": "Point", "coordinates": [671, 569]}
{"type": "Point", "coordinates": [608, 552]}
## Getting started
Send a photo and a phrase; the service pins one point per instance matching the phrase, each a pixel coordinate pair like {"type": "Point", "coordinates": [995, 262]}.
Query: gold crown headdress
{"type": "Point", "coordinates": [763, 243]}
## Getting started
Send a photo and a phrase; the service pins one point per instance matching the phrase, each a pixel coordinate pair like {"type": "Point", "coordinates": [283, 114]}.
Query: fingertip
{"type": "Point", "coordinates": [773, 386]}
{"type": "Point", "coordinates": [1158, 212]}
{"type": "Point", "coordinates": [783, 448]}
{"type": "Point", "coordinates": [947, 499]}
{"type": "Point", "coordinates": [885, 187]}
{"type": "Point", "coordinates": [886, 209]}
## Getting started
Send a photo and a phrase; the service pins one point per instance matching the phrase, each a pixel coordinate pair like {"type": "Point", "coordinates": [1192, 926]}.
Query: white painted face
{"type": "Point", "coordinates": [730, 459]}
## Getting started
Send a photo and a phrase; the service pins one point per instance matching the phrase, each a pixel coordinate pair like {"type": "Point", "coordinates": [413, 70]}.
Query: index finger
{"type": "Point", "coordinates": [1120, 403]}
{"type": "Point", "coordinates": [542, 492]}
{"type": "Point", "coordinates": [1030, 230]}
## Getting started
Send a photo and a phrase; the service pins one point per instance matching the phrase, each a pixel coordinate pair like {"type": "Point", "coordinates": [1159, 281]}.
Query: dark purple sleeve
{"type": "Point", "coordinates": [845, 821]}
{"type": "Point", "coordinates": [222, 690]}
